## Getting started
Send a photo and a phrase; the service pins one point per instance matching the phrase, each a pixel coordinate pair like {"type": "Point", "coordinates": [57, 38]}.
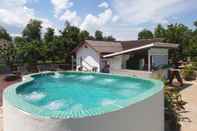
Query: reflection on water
{"type": "Point", "coordinates": [35, 96]}
{"type": "Point", "coordinates": [87, 77]}
{"type": "Point", "coordinates": [106, 102]}
{"type": "Point", "coordinates": [76, 107]}
{"type": "Point", "coordinates": [55, 105]}
{"type": "Point", "coordinates": [57, 75]}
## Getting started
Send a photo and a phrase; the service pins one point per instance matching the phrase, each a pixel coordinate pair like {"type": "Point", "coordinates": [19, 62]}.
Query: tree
{"type": "Point", "coordinates": [30, 53]}
{"type": "Point", "coordinates": [159, 31]}
{"type": "Point", "coordinates": [32, 31]}
{"type": "Point", "coordinates": [99, 35]}
{"type": "Point", "coordinates": [84, 35]}
{"type": "Point", "coordinates": [109, 38]}
{"type": "Point", "coordinates": [145, 34]}
{"type": "Point", "coordinates": [195, 24]}
{"type": "Point", "coordinates": [71, 39]}
{"type": "Point", "coordinates": [49, 35]}
{"type": "Point", "coordinates": [175, 33]}
{"type": "Point", "coordinates": [195, 30]}
{"type": "Point", "coordinates": [7, 52]}
{"type": "Point", "coordinates": [4, 34]}
{"type": "Point", "coordinates": [56, 50]}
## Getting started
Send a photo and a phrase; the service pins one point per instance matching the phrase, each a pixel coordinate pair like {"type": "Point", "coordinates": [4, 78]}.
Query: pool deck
{"type": "Point", "coordinates": [188, 94]}
{"type": "Point", "coordinates": [3, 85]}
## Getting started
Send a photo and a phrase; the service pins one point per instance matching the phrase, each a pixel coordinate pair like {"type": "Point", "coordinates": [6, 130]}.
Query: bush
{"type": "Point", "coordinates": [194, 65]}
{"type": "Point", "coordinates": [189, 73]}
{"type": "Point", "coordinates": [2, 68]}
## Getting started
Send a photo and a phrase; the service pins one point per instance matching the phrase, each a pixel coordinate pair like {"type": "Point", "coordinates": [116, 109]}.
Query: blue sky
{"type": "Point", "coordinates": [121, 18]}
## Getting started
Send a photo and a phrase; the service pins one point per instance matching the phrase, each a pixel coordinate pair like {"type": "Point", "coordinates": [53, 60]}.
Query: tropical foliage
{"type": "Point", "coordinates": [189, 73]}
{"type": "Point", "coordinates": [145, 34]}
{"type": "Point", "coordinates": [35, 47]}
{"type": "Point", "coordinates": [175, 33]}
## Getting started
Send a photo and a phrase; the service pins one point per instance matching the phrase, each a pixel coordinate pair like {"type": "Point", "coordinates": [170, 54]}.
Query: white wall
{"type": "Point", "coordinates": [90, 58]}
{"type": "Point", "coordinates": [125, 58]}
{"type": "Point", "coordinates": [146, 115]}
{"type": "Point", "coordinates": [116, 62]}
{"type": "Point", "coordinates": [159, 56]}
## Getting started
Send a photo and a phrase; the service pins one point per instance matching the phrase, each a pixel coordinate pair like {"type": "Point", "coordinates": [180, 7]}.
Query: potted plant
{"type": "Point", "coordinates": [188, 73]}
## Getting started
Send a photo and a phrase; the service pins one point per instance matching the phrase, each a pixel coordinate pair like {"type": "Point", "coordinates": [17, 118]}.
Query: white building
{"type": "Point", "coordinates": [135, 55]}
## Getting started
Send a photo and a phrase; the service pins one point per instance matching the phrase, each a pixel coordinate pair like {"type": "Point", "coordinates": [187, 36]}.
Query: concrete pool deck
{"type": "Point", "coordinates": [189, 95]}
{"type": "Point", "coordinates": [189, 121]}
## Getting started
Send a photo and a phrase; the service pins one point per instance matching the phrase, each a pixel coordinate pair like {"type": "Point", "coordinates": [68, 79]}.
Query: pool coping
{"type": "Point", "coordinates": [11, 96]}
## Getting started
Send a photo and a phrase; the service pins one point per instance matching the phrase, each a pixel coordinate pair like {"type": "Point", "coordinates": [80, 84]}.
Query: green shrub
{"type": "Point", "coordinates": [2, 67]}
{"type": "Point", "coordinates": [194, 65]}
{"type": "Point", "coordinates": [189, 73]}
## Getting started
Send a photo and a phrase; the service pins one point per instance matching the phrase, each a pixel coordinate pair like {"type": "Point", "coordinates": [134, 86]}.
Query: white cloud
{"type": "Point", "coordinates": [48, 24]}
{"type": "Point", "coordinates": [104, 5]}
{"type": "Point", "coordinates": [115, 18]}
{"type": "Point", "coordinates": [154, 11]}
{"type": "Point", "coordinates": [61, 5]}
{"type": "Point", "coordinates": [71, 16]}
{"type": "Point", "coordinates": [92, 23]}
{"type": "Point", "coordinates": [15, 13]}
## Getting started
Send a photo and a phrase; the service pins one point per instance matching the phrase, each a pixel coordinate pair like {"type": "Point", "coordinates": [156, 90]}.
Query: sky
{"type": "Point", "coordinates": [122, 19]}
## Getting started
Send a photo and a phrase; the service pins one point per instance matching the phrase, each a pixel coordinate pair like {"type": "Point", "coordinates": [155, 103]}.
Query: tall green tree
{"type": "Point", "coordinates": [178, 33]}
{"type": "Point", "coordinates": [109, 38]}
{"type": "Point", "coordinates": [30, 53]}
{"type": "Point", "coordinates": [145, 34]}
{"type": "Point", "coordinates": [71, 39]}
{"type": "Point", "coordinates": [56, 50]}
{"type": "Point", "coordinates": [175, 33]}
{"type": "Point", "coordinates": [7, 52]}
{"type": "Point", "coordinates": [49, 35]}
{"type": "Point", "coordinates": [29, 47]}
{"type": "Point", "coordinates": [191, 47]}
{"type": "Point", "coordinates": [195, 24]}
{"type": "Point", "coordinates": [84, 35]}
{"type": "Point", "coordinates": [195, 30]}
{"type": "Point", "coordinates": [99, 35]}
{"type": "Point", "coordinates": [32, 31]}
{"type": "Point", "coordinates": [159, 31]}
{"type": "Point", "coordinates": [4, 34]}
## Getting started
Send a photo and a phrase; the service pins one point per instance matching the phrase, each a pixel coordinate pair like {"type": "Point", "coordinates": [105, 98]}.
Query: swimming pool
{"type": "Point", "coordinates": [75, 96]}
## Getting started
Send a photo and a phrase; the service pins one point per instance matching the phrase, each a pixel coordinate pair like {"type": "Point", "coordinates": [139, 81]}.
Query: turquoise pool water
{"type": "Point", "coordinates": [74, 95]}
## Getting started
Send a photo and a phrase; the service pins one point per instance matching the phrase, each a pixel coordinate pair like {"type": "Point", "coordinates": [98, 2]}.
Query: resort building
{"type": "Point", "coordinates": [133, 55]}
